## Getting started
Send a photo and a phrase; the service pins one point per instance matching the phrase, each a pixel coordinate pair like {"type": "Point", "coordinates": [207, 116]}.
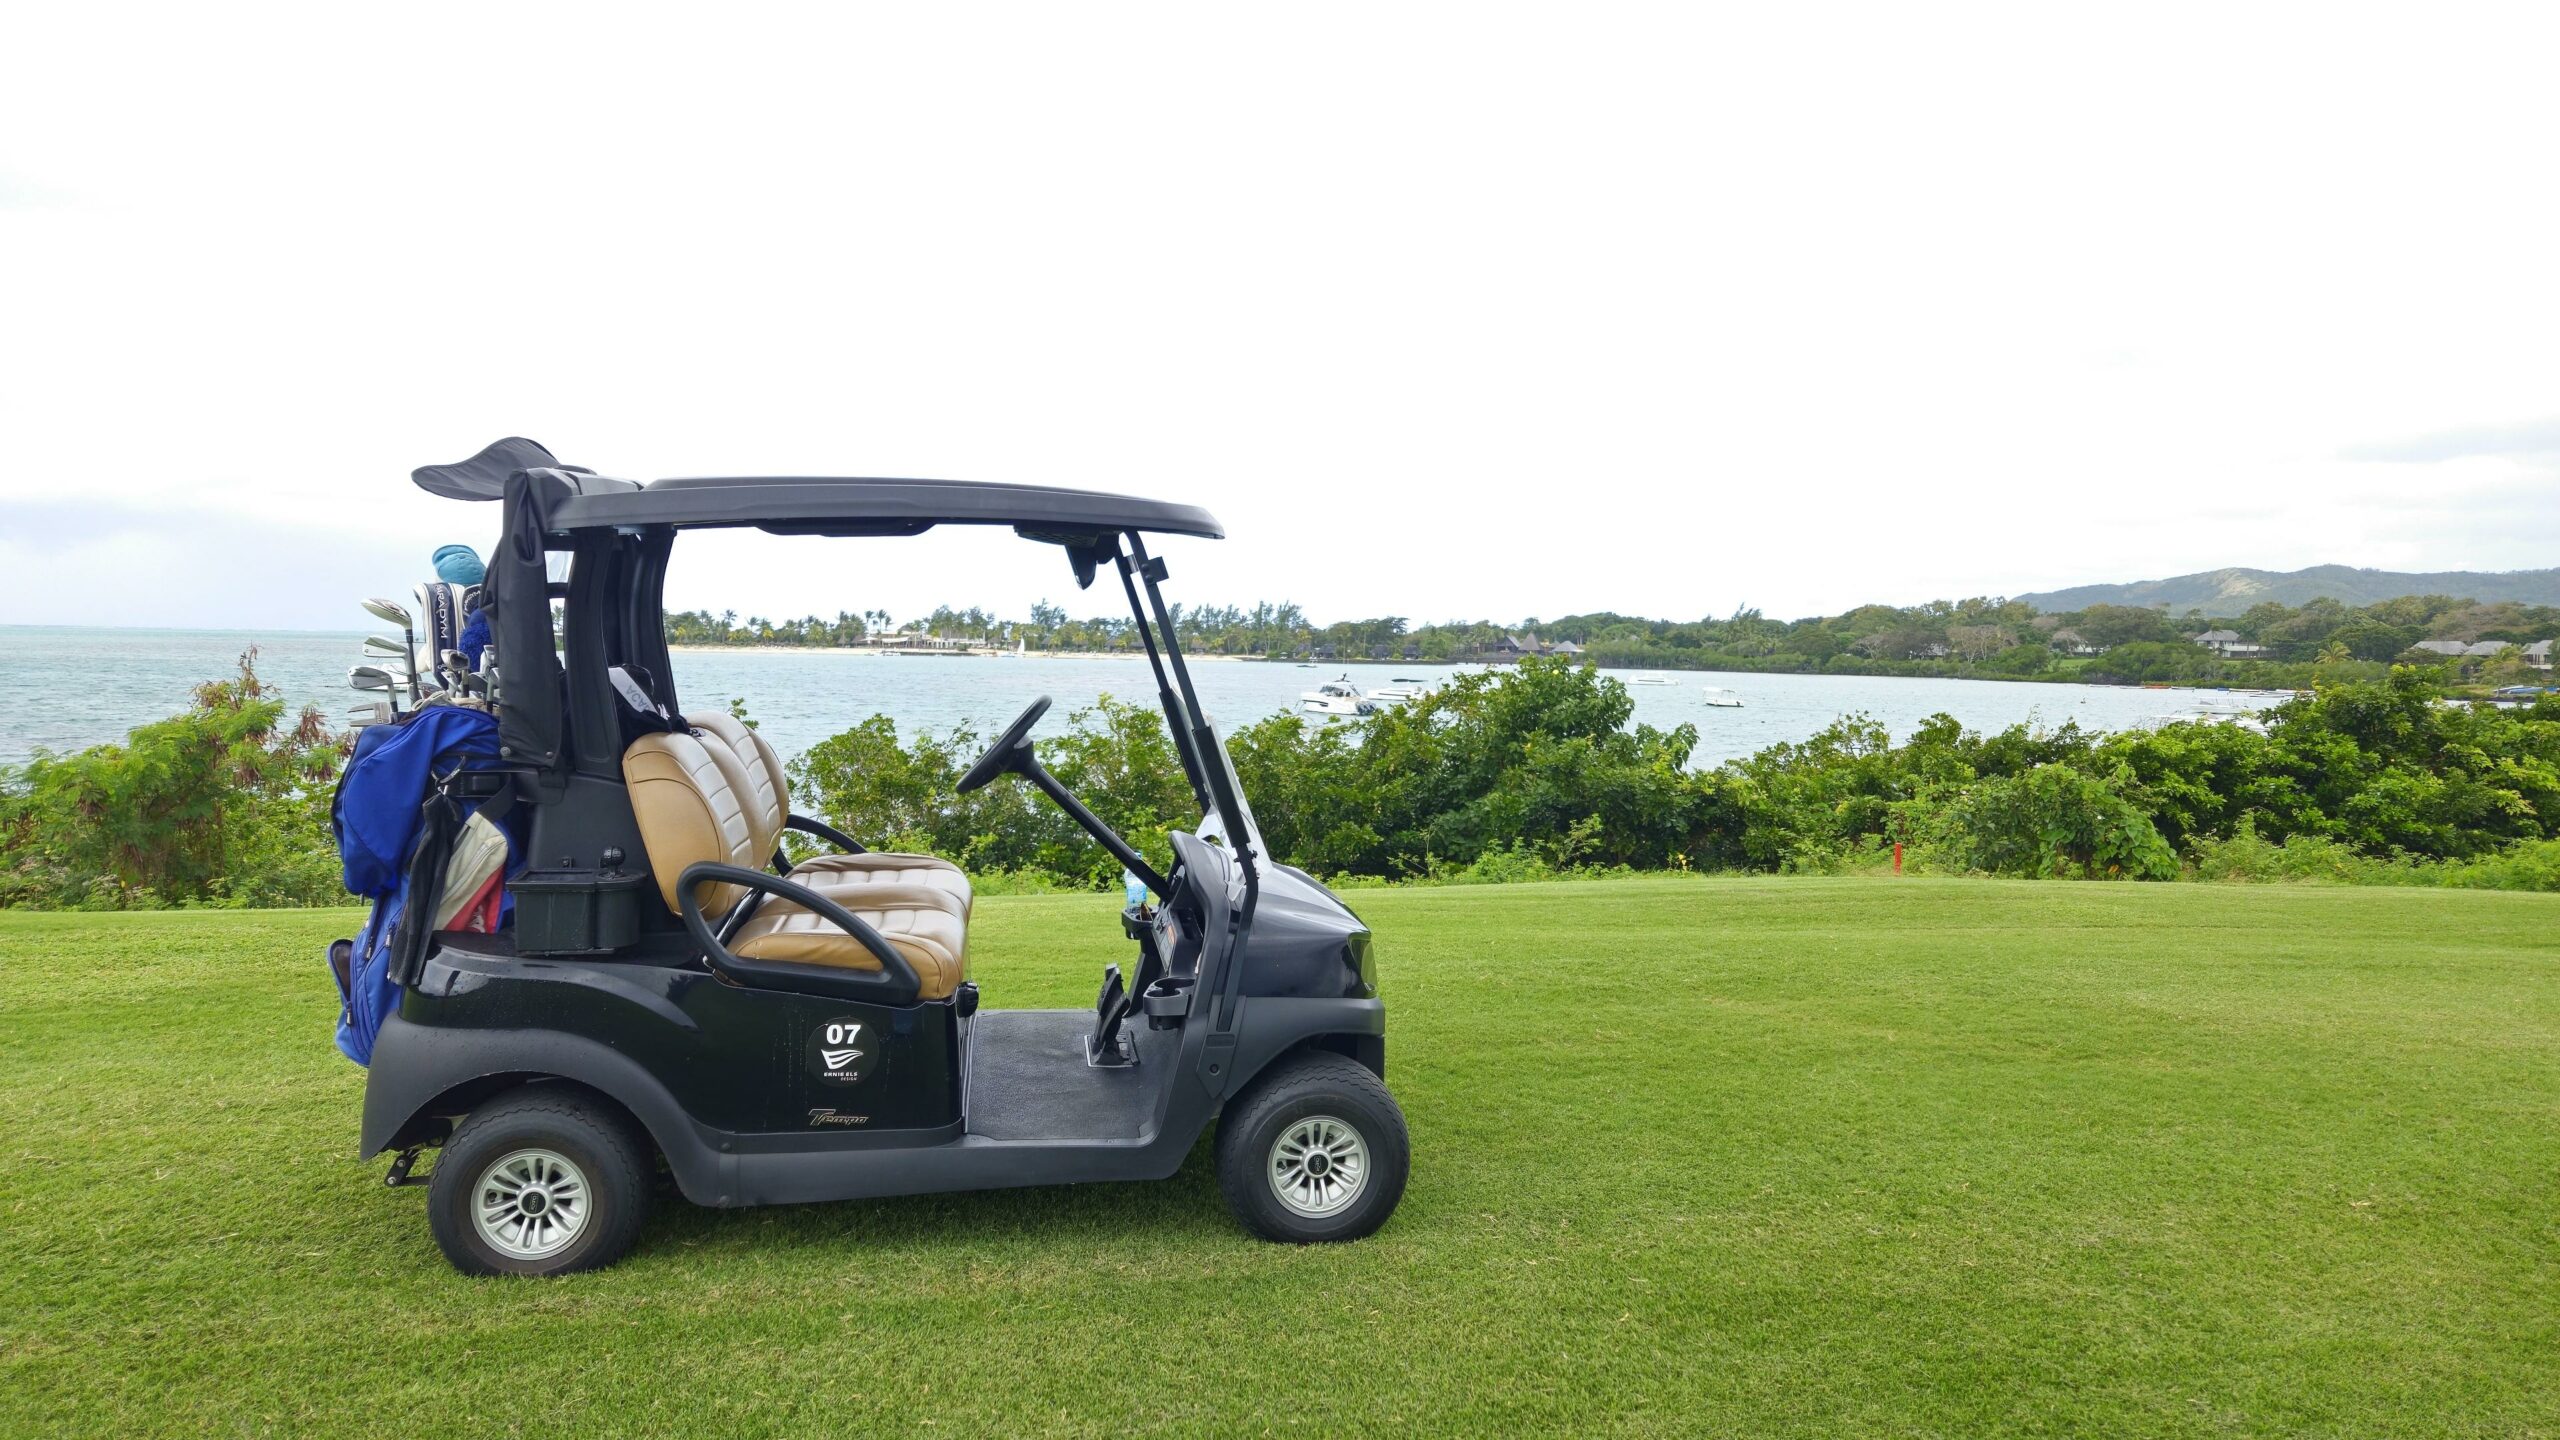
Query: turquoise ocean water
{"type": "Point", "coordinates": [64, 688]}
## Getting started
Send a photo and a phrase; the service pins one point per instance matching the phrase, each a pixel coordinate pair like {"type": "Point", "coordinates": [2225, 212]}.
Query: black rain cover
{"type": "Point", "coordinates": [519, 607]}
{"type": "Point", "coordinates": [483, 476]}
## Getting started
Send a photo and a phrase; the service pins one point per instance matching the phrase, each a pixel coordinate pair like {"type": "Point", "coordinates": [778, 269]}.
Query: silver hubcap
{"type": "Point", "coordinates": [530, 1204]}
{"type": "Point", "coordinates": [1318, 1166]}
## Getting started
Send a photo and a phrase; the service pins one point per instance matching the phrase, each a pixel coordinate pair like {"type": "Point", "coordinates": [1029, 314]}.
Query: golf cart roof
{"type": "Point", "coordinates": [809, 504]}
{"type": "Point", "coordinates": [839, 505]}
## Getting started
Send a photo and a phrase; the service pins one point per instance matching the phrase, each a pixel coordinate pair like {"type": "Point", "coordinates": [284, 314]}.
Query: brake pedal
{"type": "Point", "coordinates": [1106, 1047]}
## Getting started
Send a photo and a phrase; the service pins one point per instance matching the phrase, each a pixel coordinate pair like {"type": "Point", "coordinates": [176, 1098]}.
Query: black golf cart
{"type": "Point", "coordinates": [673, 986]}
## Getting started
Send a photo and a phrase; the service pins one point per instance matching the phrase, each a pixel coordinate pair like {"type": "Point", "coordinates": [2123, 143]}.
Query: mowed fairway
{"type": "Point", "coordinates": [1767, 1157]}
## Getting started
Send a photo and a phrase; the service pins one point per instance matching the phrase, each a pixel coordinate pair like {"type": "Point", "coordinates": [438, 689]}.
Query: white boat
{"type": "Point", "coordinates": [1654, 680]}
{"type": "Point", "coordinates": [1336, 697]}
{"type": "Point", "coordinates": [1400, 691]}
{"type": "Point", "coordinates": [1721, 698]}
{"type": "Point", "coordinates": [2231, 718]}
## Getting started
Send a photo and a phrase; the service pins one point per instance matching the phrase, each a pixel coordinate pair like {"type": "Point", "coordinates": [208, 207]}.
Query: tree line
{"type": "Point", "coordinates": [1983, 637]}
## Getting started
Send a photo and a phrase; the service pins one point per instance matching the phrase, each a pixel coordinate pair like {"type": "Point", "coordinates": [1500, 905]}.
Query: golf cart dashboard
{"type": "Point", "coordinates": [1174, 931]}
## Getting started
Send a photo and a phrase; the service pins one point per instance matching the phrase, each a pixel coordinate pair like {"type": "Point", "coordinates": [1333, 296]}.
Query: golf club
{"type": "Point", "coordinates": [461, 677]}
{"type": "Point", "coordinates": [375, 678]}
{"type": "Point", "coordinates": [397, 614]}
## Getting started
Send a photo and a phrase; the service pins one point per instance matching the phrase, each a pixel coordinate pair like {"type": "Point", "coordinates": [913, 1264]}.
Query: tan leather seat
{"type": "Point", "coordinates": [921, 925]}
{"type": "Point", "coordinates": [843, 878]}
{"type": "Point", "coordinates": [693, 797]}
{"type": "Point", "coordinates": [765, 791]}
{"type": "Point", "coordinates": [689, 812]}
{"type": "Point", "coordinates": [757, 773]}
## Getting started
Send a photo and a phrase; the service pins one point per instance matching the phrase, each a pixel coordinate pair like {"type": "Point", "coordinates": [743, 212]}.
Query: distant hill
{"type": "Point", "coordinates": [2228, 592]}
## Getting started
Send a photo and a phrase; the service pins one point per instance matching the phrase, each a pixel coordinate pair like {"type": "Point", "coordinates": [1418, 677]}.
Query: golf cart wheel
{"type": "Point", "coordinates": [538, 1183]}
{"type": "Point", "coordinates": [1315, 1151]}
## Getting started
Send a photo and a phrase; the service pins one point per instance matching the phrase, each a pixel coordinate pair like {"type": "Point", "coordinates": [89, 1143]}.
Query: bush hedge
{"type": "Point", "coordinates": [1524, 772]}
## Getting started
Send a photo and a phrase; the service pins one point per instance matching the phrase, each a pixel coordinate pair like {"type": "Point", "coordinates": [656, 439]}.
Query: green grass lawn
{"type": "Point", "coordinates": [1762, 1157]}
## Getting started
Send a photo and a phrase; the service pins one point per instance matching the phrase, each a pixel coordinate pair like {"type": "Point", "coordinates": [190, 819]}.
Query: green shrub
{"type": "Point", "coordinates": [1532, 772]}
{"type": "Point", "coordinates": [2526, 865]}
{"type": "Point", "coordinates": [2246, 856]}
{"type": "Point", "coordinates": [2051, 820]}
{"type": "Point", "coordinates": [1539, 754]}
{"type": "Point", "coordinates": [224, 804]}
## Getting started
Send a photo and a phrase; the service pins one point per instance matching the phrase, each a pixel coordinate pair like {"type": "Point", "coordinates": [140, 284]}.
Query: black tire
{"type": "Point", "coordinates": [520, 1129]}
{"type": "Point", "coordinates": [1309, 1090]}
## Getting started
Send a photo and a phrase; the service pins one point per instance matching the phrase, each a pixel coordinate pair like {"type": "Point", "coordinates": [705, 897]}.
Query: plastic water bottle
{"type": "Point", "coordinates": [1133, 889]}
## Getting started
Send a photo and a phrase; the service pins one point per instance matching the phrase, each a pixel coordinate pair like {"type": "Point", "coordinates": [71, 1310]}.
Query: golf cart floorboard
{"type": "Point", "coordinates": [1028, 1079]}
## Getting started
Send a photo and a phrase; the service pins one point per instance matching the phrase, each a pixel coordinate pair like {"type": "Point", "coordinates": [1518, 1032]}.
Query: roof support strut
{"type": "Point", "coordinates": [1175, 713]}
{"type": "Point", "coordinates": [1211, 755]}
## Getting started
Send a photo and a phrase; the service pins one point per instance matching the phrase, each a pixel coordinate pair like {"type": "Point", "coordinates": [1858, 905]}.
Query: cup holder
{"type": "Point", "coordinates": [1167, 1001]}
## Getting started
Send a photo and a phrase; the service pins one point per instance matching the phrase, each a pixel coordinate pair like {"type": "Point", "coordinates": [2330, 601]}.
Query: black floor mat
{"type": "Point", "coordinates": [1028, 1079]}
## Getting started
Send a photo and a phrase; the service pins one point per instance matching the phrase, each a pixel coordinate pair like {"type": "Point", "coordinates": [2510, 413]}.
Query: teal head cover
{"type": "Point", "coordinates": [459, 565]}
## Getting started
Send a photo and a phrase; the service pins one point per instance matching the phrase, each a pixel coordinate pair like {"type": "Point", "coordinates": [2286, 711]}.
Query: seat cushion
{"type": "Point", "coordinates": [844, 878]}
{"type": "Point", "coordinates": [924, 926]}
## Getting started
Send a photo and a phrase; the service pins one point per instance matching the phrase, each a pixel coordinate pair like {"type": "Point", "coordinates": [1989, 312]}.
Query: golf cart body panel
{"type": "Point", "coordinates": [829, 1070]}
{"type": "Point", "coordinates": [432, 1072]}
{"type": "Point", "coordinates": [729, 1082]}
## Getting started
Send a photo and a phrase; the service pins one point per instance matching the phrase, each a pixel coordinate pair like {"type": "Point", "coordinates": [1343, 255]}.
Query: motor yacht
{"type": "Point", "coordinates": [1336, 697]}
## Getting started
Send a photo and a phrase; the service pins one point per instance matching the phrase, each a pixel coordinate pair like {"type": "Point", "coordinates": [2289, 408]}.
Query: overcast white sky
{"type": "Point", "coordinates": [1446, 312]}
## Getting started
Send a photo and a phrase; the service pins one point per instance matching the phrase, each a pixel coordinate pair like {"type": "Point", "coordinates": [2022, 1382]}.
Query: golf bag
{"type": "Point", "coordinates": [400, 805]}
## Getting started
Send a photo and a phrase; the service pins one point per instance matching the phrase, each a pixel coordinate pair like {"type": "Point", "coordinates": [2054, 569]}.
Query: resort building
{"type": "Point", "coordinates": [1508, 647]}
{"type": "Point", "coordinates": [2537, 654]}
{"type": "Point", "coordinates": [2228, 644]}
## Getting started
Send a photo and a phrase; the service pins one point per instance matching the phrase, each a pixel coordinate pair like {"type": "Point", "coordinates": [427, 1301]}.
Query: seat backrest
{"type": "Point", "coordinates": [762, 787]}
{"type": "Point", "coordinates": [685, 792]}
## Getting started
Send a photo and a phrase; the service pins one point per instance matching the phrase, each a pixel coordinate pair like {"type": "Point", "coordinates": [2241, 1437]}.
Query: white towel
{"type": "Point", "coordinates": [479, 852]}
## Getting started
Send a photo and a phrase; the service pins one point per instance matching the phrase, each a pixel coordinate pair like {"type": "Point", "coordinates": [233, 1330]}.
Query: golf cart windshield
{"type": "Point", "coordinates": [1213, 826]}
{"type": "Point", "coordinates": [1225, 814]}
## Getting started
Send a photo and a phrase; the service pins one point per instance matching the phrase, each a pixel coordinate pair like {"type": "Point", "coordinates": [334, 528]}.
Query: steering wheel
{"type": "Point", "coordinates": [1000, 756]}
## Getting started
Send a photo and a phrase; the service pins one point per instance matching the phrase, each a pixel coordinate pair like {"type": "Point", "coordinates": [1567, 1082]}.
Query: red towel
{"type": "Point", "coordinates": [479, 915]}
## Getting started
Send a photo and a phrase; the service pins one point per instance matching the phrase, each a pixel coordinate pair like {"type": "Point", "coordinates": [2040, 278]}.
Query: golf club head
{"type": "Point", "coordinates": [384, 645]}
{"type": "Point", "coordinates": [372, 712]}
{"type": "Point", "coordinates": [373, 677]}
{"type": "Point", "coordinates": [389, 610]}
